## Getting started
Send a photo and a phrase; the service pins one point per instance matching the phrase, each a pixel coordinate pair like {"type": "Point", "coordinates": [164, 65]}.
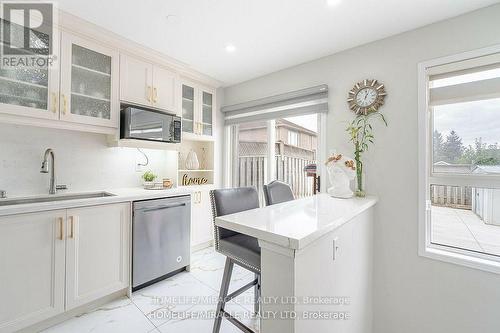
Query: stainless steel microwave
{"type": "Point", "coordinates": [151, 125]}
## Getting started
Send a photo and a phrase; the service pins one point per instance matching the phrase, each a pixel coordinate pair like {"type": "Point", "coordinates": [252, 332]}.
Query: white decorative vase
{"type": "Point", "coordinates": [341, 171]}
{"type": "Point", "coordinates": [192, 161]}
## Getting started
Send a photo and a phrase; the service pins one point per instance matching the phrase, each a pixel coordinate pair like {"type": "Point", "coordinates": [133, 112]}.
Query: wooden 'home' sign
{"type": "Point", "coordinates": [186, 180]}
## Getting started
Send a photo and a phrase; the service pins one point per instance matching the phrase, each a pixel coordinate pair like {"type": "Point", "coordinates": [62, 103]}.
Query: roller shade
{"type": "Point", "coordinates": [300, 102]}
{"type": "Point", "coordinates": [469, 85]}
{"type": "Point", "coordinates": [465, 92]}
{"type": "Point", "coordinates": [468, 66]}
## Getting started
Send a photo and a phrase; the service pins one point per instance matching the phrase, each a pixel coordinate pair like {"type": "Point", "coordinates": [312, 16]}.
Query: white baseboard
{"type": "Point", "coordinates": [202, 246]}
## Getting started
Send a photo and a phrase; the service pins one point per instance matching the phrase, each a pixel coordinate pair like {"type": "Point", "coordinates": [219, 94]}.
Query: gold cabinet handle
{"type": "Point", "coordinates": [65, 104]}
{"type": "Point", "coordinates": [155, 95]}
{"type": "Point", "coordinates": [61, 227]}
{"type": "Point", "coordinates": [54, 102]}
{"type": "Point", "coordinates": [71, 227]}
{"type": "Point", "coordinates": [149, 93]}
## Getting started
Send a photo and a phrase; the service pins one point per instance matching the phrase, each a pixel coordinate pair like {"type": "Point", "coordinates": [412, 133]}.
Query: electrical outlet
{"type": "Point", "coordinates": [139, 168]}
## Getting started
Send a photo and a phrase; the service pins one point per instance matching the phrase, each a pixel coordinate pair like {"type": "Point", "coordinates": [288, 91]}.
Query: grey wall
{"type": "Point", "coordinates": [412, 294]}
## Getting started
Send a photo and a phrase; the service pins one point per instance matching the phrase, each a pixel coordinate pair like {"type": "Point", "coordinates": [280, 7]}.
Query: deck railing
{"type": "Point", "coordinates": [289, 170]}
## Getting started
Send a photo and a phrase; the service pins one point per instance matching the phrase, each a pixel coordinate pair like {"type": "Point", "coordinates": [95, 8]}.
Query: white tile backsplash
{"type": "Point", "coordinates": [84, 161]}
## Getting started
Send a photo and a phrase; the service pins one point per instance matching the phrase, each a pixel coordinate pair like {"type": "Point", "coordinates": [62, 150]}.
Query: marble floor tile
{"type": "Point", "coordinates": [210, 272]}
{"type": "Point", "coordinates": [203, 255]}
{"type": "Point", "coordinates": [200, 318]}
{"type": "Point", "coordinates": [118, 316]}
{"type": "Point", "coordinates": [178, 293]}
{"type": "Point", "coordinates": [184, 303]}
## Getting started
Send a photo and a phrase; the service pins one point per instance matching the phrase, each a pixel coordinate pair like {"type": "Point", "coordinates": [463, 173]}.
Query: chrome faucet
{"type": "Point", "coordinates": [45, 169]}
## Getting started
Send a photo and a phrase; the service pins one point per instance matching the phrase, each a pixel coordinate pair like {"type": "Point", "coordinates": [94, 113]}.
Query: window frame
{"type": "Point", "coordinates": [427, 175]}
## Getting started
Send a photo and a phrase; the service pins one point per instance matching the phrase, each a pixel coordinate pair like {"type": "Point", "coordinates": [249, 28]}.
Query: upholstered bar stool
{"type": "Point", "coordinates": [276, 192]}
{"type": "Point", "coordinates": [239, 249]}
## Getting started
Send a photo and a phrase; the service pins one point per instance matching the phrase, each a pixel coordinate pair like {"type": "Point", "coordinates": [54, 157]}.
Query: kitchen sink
{"type": "Point", "coordinates": [64, 197]}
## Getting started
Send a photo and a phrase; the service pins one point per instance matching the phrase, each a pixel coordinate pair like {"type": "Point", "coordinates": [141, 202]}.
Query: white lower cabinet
{"type": "Point", "coordinates": [96, 252]}
{"type": "Point", "coordinates": [54, 261]}
{"type": "Point", "coordinates": [201, 217]}
{"type": "Point", "coordinates": [31, 268]}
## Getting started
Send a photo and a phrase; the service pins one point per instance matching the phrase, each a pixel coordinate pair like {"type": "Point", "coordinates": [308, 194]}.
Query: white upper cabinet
{"type": "Point", "coordinates": [198, 106]}
{"type": "Point", "coordinates": [164, 89]}
{"type": "Point", "coordinates": [147, 84]}
{"type": "Point", "coordinates": [89, 82]}
{"type": "Point", "coordinates": [188, 108]}
{"type": "Point", "coordinates": [80, 88]}
{"type": "Point", "coordinates": [30, 91]}
{"type": "Point", "coordinates": [136, 77]}
{"type": "Point", "coordinates": [207, 112]}
{"type": "Point", "coordinates": [89, 76]}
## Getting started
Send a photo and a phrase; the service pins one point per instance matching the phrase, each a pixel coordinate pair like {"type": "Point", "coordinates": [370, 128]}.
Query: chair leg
{"type": "Point", "coordinates": [256, 293]}
{"type": "Point", "coordinates": [224, 288]}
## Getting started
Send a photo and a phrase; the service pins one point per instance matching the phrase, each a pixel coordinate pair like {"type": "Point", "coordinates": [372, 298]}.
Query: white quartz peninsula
{"type": "Point", "coordinates": [316, 262]}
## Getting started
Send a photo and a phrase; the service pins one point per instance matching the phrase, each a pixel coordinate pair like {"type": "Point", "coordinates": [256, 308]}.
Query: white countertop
{"type": "Point", "coordinates": [295, 224]}
{"type": "Point", "coordinates": [119, 195]}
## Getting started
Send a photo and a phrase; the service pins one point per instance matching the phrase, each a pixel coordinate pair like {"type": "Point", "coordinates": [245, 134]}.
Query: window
{"type": "Point", "coordinates": [460, 159]}
{"type": "Point", "coordinates": [293, 138]}
{"type": "Point", "coordinates": [256, 162]}
{"type": "Point", "coordinates": [277, 138]}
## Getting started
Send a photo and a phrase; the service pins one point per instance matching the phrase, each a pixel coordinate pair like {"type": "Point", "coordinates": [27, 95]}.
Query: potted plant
{"type": "Point", "coordinates": [361, 135]}
{"type": "Point", "coordinates": [149, 178]}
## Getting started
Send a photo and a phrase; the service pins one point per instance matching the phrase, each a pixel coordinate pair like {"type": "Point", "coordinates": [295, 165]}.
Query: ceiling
{"type": "Point", "coordinates": [268, 35]}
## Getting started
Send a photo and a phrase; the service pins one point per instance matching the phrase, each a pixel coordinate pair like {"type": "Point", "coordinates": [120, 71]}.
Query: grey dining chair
{"type": "Point", "coordinates": [276, 192]}
{"type": "Point", "coordinates": [239, 249]}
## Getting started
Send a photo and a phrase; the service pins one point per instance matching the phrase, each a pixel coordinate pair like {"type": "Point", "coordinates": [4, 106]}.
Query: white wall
{"type": "Point", "coordinates": [83, 161]}
{"type": "Point", "coordinates": [412, 294]}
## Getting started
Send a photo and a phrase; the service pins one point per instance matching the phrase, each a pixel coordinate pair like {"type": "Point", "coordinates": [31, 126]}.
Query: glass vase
{"type": "Point", "coordinates": [360, 180]}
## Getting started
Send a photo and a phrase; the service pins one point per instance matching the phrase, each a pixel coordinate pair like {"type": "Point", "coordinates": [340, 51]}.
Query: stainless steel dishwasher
{"type": "Point", "coordinates": [160, 238]}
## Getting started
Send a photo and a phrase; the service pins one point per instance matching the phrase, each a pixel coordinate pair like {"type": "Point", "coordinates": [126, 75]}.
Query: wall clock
{"type": "Point", "coordinates": [367, 96]}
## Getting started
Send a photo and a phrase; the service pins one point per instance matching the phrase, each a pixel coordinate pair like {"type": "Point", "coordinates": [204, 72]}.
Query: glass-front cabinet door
{"type": "Point", "coordinates": [89, 85]}
{"type": "Point", "coordinates": [206, 113]}
{"type": "Point", "coordinates": [188, 109]}
{"type": "Point", "coordinates": [29, 87]}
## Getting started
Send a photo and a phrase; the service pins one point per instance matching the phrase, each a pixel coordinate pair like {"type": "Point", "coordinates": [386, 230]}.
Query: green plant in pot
{"type": "Point", "coordinates": [148, 178]}
{"type": "Point", "coordinates": [361, 135]}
